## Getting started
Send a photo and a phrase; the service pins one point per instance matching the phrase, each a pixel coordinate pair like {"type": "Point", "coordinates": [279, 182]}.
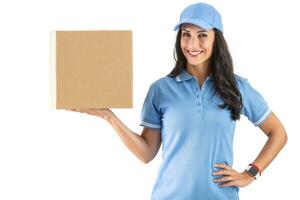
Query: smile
{"type": "Point", "coordinates": [194, 53]}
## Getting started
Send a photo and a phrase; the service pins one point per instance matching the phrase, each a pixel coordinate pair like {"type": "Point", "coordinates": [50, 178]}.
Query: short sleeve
{"type": "Point", "coordinates": [255, 107]}
{"type": "Point", "coordinates": [150, 114]}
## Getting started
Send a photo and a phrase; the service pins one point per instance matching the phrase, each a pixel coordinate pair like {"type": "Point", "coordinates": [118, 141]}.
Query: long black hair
{"type": "Point", "coordinates": [222, 72]}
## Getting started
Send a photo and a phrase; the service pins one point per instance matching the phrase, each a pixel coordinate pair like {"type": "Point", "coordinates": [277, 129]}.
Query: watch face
{"type": "Point", "coordinates": [253, 171]}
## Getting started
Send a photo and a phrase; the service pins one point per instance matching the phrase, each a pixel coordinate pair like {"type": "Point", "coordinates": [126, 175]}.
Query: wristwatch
{"type": "Point", "coordinates": [253, 170]}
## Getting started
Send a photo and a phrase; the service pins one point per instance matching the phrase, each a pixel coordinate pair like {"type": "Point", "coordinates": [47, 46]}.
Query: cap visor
{"type": "Point", "coordinates": [197, 22]}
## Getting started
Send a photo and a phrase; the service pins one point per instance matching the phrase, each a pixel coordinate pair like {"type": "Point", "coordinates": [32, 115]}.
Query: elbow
{"type": "Point", "coordinates": [280, 136]}
{"type": "Point", "coordinates": [147, 156]}
{"type": "Point", "coordinates": [145, 160]}
{"type": "Point", "coordinates": [285, 138]}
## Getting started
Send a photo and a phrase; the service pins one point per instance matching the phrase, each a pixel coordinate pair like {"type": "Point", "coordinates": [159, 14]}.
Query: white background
{"type": "Point", "coordinates": [57, 154]}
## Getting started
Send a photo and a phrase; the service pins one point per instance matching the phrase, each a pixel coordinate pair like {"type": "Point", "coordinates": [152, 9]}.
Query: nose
{"type": "Point", "coordinates": [193, 43]}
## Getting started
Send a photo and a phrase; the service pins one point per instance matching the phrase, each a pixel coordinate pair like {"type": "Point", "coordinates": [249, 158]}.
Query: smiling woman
{"type": "Point", "coordinates": [193, 112]}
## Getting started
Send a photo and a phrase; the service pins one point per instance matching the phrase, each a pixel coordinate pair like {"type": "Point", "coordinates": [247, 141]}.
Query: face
{"type": "Point", "coordinates": [196, 43]}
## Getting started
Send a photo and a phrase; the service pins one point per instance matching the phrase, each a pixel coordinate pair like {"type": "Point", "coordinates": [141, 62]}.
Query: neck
{"type": "Point", "coordinates": [200, 71]}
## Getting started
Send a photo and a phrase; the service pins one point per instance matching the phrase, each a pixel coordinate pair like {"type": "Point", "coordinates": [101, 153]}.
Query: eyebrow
{"type": "Point", "coordinates": [197, 31]}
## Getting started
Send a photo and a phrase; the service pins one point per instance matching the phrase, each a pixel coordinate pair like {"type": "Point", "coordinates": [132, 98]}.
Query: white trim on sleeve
{"type": "Point", "coordinates": [150, 125]}
{"type": "Point", "coordinates": [263, 117]}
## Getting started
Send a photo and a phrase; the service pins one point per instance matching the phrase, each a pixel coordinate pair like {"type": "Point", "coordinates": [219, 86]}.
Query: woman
{"type": "Point", "coordinates": [193, 112]}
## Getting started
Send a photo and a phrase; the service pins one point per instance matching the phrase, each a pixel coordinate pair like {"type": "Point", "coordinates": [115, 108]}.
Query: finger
{"type": "Point", "coordinates": [223, 179]}
{"type": "Point", "coordinates": [88, 111]}
{"type": "Point", "coordinates": [228, 184]}
{"type": "Point", "coordinates": [222, 165]}
{"type": "Point", "coordinates": [82, 110]}
{"type": "Point", "coordinates": [222, 172]}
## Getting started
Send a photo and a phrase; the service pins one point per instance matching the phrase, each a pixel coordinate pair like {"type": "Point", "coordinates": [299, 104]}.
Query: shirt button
{"type": "Point", "coordinates": [198, 104]}
{"type": "Point", "coordinates": [197, 96]}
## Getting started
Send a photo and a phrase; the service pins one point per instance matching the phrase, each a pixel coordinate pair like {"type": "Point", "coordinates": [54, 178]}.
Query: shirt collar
{"type": "Point", "coordinates": [185, 76]}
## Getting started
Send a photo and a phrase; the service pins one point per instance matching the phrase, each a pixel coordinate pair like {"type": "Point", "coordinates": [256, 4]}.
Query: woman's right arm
{"type": "Point", "coordinates": [144, 146]}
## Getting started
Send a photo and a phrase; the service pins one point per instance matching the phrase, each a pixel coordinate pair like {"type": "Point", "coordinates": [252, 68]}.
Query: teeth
{"type": "Point", "coordinates": [194, 53]}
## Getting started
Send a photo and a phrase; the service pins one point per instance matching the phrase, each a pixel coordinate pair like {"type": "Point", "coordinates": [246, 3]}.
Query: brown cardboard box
{"type": "Point", "coordinates": [91, 69]}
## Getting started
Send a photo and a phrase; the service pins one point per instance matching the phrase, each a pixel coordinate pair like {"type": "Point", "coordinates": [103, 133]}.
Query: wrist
{"type": "Point", "coordinates": [256, 167]}
{"type": "Point", "coordinates": [109, 116]}
{"type": "Point", "coordinates": [253, 170]}
{"type": "Point", "coordinates": [248, 176]}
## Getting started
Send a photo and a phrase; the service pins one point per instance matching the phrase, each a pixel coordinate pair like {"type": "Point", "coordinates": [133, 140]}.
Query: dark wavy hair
{"type": "Point", "coordinates": [222, 72]}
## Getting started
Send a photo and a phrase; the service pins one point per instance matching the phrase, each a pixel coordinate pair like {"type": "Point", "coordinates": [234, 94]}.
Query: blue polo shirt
{"type": "Point", "coordinates": [196, 134]}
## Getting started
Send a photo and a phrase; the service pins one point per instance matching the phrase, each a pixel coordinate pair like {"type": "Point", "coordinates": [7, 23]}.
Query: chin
{"type": "Point", "coordinates": [195, 63]}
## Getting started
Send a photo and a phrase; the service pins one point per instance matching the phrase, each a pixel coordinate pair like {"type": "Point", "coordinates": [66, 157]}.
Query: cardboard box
{"type": "Point", "coordinates": [91, 69]}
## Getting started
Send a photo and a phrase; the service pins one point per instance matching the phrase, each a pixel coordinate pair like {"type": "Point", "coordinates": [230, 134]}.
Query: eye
{"type": "Point", "coordinates": [202, 35]}
{"type": "Point", "coordinates": [185, 34]}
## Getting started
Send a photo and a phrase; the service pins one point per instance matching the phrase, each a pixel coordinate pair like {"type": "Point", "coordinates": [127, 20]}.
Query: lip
{"type": "Point", "coordinates": [195, 53]}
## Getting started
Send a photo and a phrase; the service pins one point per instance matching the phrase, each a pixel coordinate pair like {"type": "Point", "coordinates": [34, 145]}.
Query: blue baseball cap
{"type": "Point", "coordinates": [201, 14]}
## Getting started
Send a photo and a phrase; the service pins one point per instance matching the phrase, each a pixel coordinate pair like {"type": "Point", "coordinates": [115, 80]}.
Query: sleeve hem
{"type": "Point", "coordinates": [265, 116]}
{"type": "Point", "coordinates": [150, 125]}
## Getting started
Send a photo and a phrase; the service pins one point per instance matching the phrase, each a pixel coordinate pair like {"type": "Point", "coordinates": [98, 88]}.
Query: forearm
{"type": "Point", "coordinates": [134, 142]}
{"type": "Point", "coordinates": [270, 150]}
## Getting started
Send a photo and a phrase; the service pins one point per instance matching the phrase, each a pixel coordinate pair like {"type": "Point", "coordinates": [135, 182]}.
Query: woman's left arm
{"type": "Point", "coordinates": [277, 138]}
